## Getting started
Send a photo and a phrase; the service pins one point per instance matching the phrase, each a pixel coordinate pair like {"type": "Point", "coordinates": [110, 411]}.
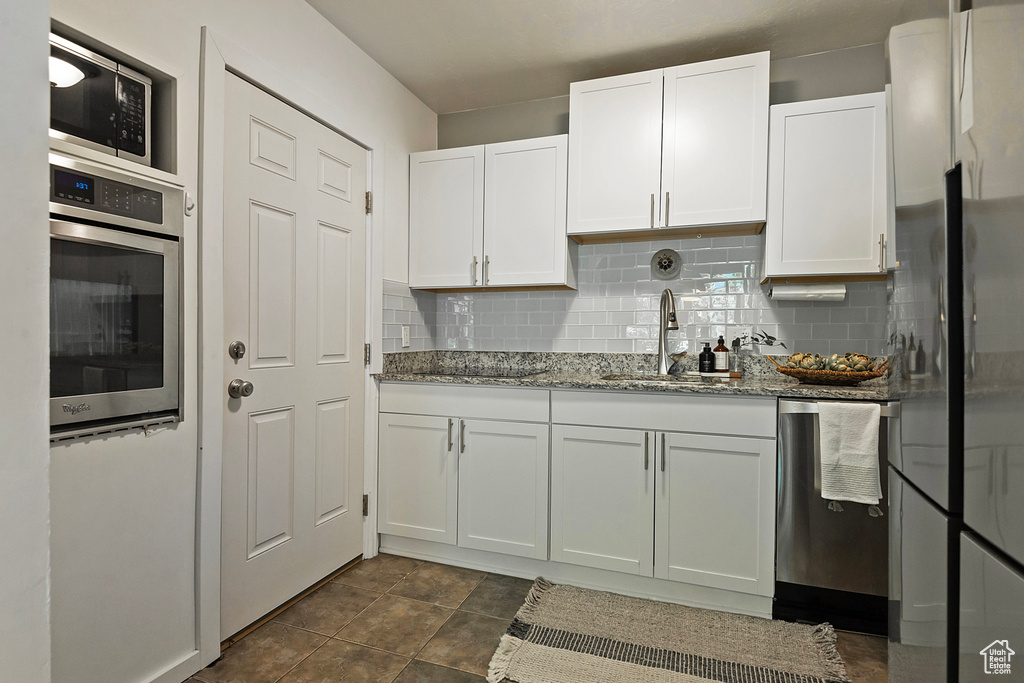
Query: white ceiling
{"type": "Point", "coordinates": [457, 55]}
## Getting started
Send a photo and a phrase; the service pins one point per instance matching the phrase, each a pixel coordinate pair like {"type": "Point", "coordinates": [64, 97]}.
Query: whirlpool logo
{"type": "Point", "coordinates": [75, 410]}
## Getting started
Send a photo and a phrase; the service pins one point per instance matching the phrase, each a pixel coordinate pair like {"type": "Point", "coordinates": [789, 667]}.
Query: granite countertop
{"type": "Point", "coordinates": [584, 371]}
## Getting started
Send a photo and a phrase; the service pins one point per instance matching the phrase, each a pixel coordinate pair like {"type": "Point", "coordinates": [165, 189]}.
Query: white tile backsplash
{"type": "Point", "coordinates": [616, 307]}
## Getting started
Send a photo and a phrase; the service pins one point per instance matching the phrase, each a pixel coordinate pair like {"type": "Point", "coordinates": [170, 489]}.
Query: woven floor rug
{"type": "Point", "coordinates": [564, 634]}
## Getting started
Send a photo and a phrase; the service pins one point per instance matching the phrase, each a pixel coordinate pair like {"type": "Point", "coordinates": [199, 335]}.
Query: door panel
{"type": "Point", "coordinates": [272, 285]}
{"type": "Point", "coordinates": [602, 498]}
{"type": "Point", "coordinates": [334, 289]}
{"type": "Point", "coordinates": [503, 488]}
{"type": "Point", "coordinates": [271, 479]}
{"type": "Point", "coordinates": [294, 283]}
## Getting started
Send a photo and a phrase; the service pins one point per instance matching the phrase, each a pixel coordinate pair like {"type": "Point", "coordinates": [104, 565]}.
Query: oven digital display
{"type": "Point", "coordinates": [74, 187]}
{"type": "Point", "coordinates": [108, 196]}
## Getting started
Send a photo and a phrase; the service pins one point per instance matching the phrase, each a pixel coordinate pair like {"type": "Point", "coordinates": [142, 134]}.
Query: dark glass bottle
{"type": "Point", "coordinates": [706, 359]}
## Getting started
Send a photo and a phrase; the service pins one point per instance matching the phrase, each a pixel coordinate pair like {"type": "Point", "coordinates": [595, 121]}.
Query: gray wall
{"type": "Point", "coordinates": [827, 74]}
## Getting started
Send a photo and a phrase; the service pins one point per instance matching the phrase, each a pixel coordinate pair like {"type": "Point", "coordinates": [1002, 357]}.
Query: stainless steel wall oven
{"type": "Point", "coordinates": [115, 330]}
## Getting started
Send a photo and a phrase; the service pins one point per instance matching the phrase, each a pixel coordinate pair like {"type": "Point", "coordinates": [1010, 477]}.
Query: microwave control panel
{"type": "Point", "coordinates": [105, 195]}
{"type": "Point", "coordinates": [131, 124]}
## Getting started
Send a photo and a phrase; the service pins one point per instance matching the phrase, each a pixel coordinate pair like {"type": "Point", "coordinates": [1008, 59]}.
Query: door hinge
{"type": "Point", "coordinates": [369, 202]}
{"type": "Point", "coordinates": [366, 505]}
{"type": "Point", "coordinates": [366, 353]}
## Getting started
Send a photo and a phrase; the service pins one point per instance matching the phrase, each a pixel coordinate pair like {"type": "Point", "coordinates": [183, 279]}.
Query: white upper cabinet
{"type": "Point", "coordinates": [671, 148]}
{"type": "Point", "coordinates": [615, 152]}
{"type": "Point", "coordinates": [828, 195]}
{"type": "Point", "coordinates": [446, 217]}
{"type": "Point", "coordinates": [524, 212]}
{"type": "Point", "coordinates": [715, 150]}
{"type": "Point", "coordinates": [489, 216]}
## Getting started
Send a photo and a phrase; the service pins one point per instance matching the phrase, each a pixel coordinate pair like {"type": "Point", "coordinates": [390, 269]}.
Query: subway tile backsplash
{"type": "Point", "coordinates": [717, 292]}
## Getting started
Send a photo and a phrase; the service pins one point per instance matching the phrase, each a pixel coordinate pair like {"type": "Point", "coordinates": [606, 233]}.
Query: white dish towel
{"type": "Point", "coordinates": [848, 435]}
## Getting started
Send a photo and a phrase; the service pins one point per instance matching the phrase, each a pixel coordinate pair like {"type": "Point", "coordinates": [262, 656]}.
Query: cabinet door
{"type": "Point", "coordinates": [524, 212]}
{"type": "Point", "coordinates": [615, 153]}
{"type": "Point", "coordinates": [503, 487]}
{"type": "Point", "coordinates": [827, 187]}
{"type": "Point", "coordinates": [602, 498]}
{"type": "Point", "coordinates": [715, 142]}
{"type": "Point", "coordinates": [715, 515]}
{"type": "Point", "coordinates": [418, 479]}
{"type": "Point", "coordinates": [446, 217]}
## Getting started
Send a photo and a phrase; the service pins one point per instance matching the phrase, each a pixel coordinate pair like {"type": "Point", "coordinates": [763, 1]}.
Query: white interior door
{"type": "Point", "coordinates": [294, 282]}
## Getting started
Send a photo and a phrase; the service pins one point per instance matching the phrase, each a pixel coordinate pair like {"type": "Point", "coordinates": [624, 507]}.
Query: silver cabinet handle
{"type": "Point", "coordinates": [450, 422]}
{"type": "Point", "coordinates": [462, 436]}
{"type": "Point", "coordinates": [647, 453]}
{"type": "Point", "coordinates": [663, 451]}
{"type": "Point", "coordinates": [474, 270]}
{"type": "Point", "coordinates": [666, 209]}
{"type": "Point", "coordinates": [652, 209]}
{"type": "Point", "coordinates": [487, 269]}
{"type": "Point", "coordinates": [881, 253]}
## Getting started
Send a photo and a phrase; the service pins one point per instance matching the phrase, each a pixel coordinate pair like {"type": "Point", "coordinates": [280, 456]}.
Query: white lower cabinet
{"type": "Point", "coordinates": [678, 488]}
{"type": "Point", "coordinates": [715, 511]}
{"type": "Point", "coordinates": [419, 483]}
{"type": "Point", "coordinates": [503, 487]}
{"type": "Point", "coordinates": [690, 507]}
{"type": "Point", "coordinates": [463, 479]}
{"type": "Point", "coordinates": [602, 498]}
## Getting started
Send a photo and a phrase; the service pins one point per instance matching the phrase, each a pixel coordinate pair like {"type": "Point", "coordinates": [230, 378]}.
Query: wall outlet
{"type": "Point", "coordinates": [405, 336]}
{"type": "Point", "coordinates": [734, 331]}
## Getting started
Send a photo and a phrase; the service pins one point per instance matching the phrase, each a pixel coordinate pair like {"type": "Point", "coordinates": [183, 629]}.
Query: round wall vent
{"type": "Point", "coordinates": [665, 265]}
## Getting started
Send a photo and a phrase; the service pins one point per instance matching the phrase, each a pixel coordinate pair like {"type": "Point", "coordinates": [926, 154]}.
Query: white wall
{"type": "Point", "coordinates": [295, 40]}
{"type": "Point", "coordinates": [24, 267]}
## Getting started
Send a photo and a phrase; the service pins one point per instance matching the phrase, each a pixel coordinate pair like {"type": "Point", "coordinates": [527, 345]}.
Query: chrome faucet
{"type": "Point", "coordinates": [666, 322]}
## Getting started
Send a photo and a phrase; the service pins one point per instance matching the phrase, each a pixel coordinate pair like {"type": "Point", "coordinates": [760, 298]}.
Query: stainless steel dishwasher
{"type": "Point", "coordinates": [829, 566]}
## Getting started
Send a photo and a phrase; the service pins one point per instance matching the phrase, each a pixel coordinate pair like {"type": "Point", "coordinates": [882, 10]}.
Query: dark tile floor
{"type": "Point", "coordinates": [397, 619]}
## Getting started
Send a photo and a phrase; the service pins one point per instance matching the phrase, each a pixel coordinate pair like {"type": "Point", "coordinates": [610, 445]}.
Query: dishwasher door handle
{"type": "Point", "coordinates": [888, 408]}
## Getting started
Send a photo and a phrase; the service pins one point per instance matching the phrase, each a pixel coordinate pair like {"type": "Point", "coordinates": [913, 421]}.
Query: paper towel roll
{"type": "Point", "coordinates": [807, 292]}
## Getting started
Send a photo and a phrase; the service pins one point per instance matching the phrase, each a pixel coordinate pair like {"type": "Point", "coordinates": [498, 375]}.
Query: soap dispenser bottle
{"type": "Point", "coordinates": [721, 356]}
{"type": "Point", "coordinates": [706, 360]}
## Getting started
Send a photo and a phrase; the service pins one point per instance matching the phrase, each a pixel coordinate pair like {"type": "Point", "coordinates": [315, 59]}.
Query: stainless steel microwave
{"type": "Point", "coordinates": [97, 103]}
{"type": "Point", "coordinates": [115, 314]}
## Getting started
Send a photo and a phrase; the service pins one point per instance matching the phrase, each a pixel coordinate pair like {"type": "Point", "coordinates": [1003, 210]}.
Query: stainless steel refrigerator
{"type": "Point", "coordinates": [990, 137]}
{"type": "Point", "coordinates": [957, 480]}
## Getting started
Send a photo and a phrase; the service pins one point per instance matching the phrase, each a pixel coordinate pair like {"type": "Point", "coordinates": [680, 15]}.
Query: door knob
{"type": "Point", "coordinates": [239, 388]}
